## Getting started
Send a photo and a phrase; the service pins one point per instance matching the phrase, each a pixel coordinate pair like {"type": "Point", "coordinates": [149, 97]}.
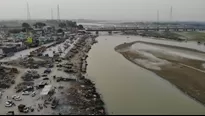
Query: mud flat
{"type": "Point", "coordinates": [182, 67]}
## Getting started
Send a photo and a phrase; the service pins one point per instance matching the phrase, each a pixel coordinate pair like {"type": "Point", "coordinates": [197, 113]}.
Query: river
{"type": "Point", "coordinates": [129, 89]}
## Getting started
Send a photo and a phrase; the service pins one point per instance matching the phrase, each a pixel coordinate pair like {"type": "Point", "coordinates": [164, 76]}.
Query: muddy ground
{"type": "Point", "coordinates": [186, 74]}
{"type": "Point", "coordinates": [71, 92]}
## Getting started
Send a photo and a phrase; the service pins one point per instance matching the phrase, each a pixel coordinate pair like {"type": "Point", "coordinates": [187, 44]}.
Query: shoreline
{"type": "Point", "coordinates": [174, 73]}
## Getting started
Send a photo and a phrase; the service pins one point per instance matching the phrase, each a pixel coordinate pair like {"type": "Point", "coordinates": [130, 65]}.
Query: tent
{"type": "Point", "coordinates": [45, 90]}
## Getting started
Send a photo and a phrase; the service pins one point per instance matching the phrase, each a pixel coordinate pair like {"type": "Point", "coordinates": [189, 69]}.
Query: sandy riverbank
{"type": "Point", "coordinates": [180, 66]}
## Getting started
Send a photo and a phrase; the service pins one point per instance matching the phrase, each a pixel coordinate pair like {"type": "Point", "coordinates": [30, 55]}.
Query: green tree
{"type": "Point", "coordinates": [80, 27]}
{"type": "Point", "coordinates": [71, 23]}
{"type": "Point", "coordinates": [25, 25]}
{"type": "Point", "coordinates": [62, 25]}
{"type": "Point", "coordinates": [39, 25]}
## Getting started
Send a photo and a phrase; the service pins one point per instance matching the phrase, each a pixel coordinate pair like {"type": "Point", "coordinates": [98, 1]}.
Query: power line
{"type": "Point", "coordinates": [51, 13]}
{"type": "Point", "coordinates": [58, 11]}
{"type": "Point", "coordinates": [171, 13]}
{"type": "Point", "coordinates": [28, 12]}
{"type": "Point", "coordinates": [157, 16]}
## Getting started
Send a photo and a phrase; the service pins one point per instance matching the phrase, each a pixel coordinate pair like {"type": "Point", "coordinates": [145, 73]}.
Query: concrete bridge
{"type": "Point", "coordinates": [123, 29]}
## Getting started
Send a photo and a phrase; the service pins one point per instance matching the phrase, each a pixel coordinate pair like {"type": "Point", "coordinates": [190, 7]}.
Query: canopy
{"type": "Point", "coordinates": [29, 40]}
{"type": "Point", "coordinates": [46, 89]}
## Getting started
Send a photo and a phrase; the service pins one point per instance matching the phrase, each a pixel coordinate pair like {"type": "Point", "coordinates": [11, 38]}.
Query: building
{"type": "Point", "coordinates": [1, 53]}
{"type": "Point", "coordinates": [9, 48]}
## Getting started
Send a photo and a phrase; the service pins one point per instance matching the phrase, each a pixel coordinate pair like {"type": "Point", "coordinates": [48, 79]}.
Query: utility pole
{"type": "Point", "coordinates": [171, 14]}
{"type": "Point", "coordinates": [28, 12]}
{"type": "Point", "coordinates": [58, 12]}
{"type": "Point", "coordinates": [51, 13]}
{"type": "Point", "coordinates": [157, 18]}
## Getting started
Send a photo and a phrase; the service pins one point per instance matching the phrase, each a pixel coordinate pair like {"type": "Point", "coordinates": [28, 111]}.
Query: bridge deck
{"type": "Point", "coordinates": [124, 29]}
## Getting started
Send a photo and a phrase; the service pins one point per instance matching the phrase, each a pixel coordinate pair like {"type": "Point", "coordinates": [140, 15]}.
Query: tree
{"type": "Point", "coordinates": [39, 25]}
{"type": "Point", "coordinates": [15, 30]}
{"type": "Point", "coordinates": [25, 25]}
{"type": "Point", "coordinates": [27, 29]}
{"type": "Point", "coordinates": [80, 27]}
{"type": "Point", "coordinates": [71, 24]}
{"type": "Point", "coordinates": [62, 25]}
{"type": "Point", "coordinates": [59, 31]}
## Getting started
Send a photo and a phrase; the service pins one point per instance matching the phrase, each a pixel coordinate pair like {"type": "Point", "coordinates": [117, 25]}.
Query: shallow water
{"type": "Point", "coordinates": [129, 89]}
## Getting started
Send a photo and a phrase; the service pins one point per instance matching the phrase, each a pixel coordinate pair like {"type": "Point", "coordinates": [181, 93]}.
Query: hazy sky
{"type": "Point", "coordinates": [189, 10]}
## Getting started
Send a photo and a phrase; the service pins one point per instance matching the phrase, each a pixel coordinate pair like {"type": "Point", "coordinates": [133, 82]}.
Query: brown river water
{"type": "Point", "coordinates": [129, 89]}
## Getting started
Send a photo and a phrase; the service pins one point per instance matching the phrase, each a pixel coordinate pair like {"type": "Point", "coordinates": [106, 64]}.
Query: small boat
{"type": "Point", "coordinates": [16, 98]}
{"type": "Point", "coordinates": [9, 103]}
{"type": "Point", "coordinates": [25, 93]}
{"type": "Point", "coordinates": [33, 94]}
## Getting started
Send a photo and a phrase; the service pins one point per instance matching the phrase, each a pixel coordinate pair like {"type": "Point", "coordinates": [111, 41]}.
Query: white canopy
{"type": "Point", "coordinates": [46, 89]}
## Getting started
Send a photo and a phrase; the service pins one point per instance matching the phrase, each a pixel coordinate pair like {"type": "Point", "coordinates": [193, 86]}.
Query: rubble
{"type": "Point", "coordinates": [24, 86]}
{"type": "Point", "coordinates": [21, 107]}
{"type": "Point", "coordinates": [54, 103]}
{"type": "Point", "coordinates": [41, 85]}
{"type": "Point", "coordinates": [83, 97]}
{"type": "Point", "coordinates": [48, 70]}
{"type": "Point", "coordinates": [25, 93]}
{"type": "Point", "coordinates": [30, 75]}
{"type": "Point", "coordinates": [10, 103]}
{"type": "Point", "coordinates": [16, 98]}
{"type": "Point", "coordinates": [70, 70]}
{"type": "Point", "coordinates": [7, 76]}
{"type": "Point", "coordinates": [10, 113]}
{"type": "Point", "coordinates": [64, 79]}
{"type": "Point", "coordinates": [29, 62]}
{"type": "Point", "coordinates": [33, 94]}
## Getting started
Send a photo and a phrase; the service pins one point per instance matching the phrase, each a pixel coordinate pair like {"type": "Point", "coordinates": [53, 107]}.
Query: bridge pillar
{"type": "Point", "coordinates": [96, 32]}
{"type": "Point", "coordinates": [110, 32]}
{"type": "Point", "coordinates": [157, 29]}
{"type": "Point", "coordinates": [166, 29]}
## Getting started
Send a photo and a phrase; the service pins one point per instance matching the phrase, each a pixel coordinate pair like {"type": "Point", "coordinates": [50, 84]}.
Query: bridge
{"type": "Point", "coordinates": [123, 29]}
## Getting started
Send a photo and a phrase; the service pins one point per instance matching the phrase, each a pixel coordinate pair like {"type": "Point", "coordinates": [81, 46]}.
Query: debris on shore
{"type": "Point", "coordinates": [7, 76]}
{"type": "Point", "coordinates": [51, 75]}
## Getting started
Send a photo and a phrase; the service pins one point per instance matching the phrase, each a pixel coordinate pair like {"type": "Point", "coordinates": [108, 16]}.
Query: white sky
{"type": "Point", "coordinates": [188, 10]}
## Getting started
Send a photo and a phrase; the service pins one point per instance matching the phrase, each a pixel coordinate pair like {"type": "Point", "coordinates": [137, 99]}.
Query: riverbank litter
{"type": "Point", "coordinates": [47, 84]}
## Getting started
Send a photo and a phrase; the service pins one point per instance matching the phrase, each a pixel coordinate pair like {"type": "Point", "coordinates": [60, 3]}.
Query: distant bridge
{"type": "Point", "coordinates": [109, 29]}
